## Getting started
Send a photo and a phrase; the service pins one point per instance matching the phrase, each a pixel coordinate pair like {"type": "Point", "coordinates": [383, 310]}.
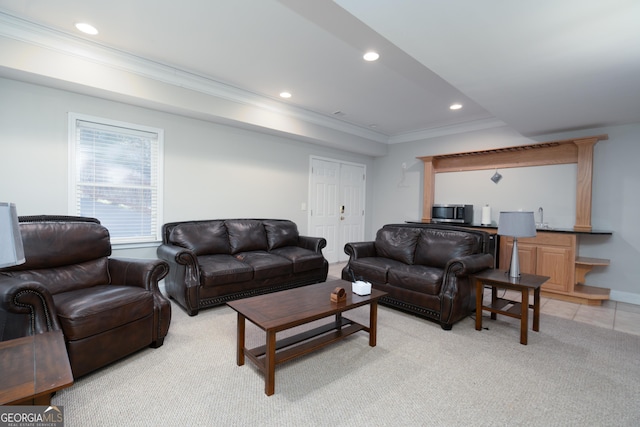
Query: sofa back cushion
{"type": "Point", "coordinates": [66, 278]}
{"type": "Point", "coordinates": [280, 233]}
{"type": "Point", "coordinates": [436, 246]}
{"type": "Point", "coordinates": [64, 255]}
{"type": "Point", "coordinates": [202, 237]}
{"type": "Point", "coordinates": [246, 235]}
{"type": "Point", "coordinates": [397, 243]}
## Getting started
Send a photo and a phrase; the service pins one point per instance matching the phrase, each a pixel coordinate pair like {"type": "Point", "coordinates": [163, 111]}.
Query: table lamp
{"type": "Point", "coordinates": [516, 224]}
{"type": "Point", "coordinates": [11, 249]}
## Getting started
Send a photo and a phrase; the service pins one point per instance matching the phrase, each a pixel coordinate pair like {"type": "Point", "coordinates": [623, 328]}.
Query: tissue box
{"type": "Point", "coordinates": [361, 288]}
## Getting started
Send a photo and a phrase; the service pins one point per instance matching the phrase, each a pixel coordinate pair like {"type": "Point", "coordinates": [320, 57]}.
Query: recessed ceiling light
{"type": "Point", "coordinates": [285, 95]}
{"type": "Point", "coordinates": [371, 56]}
{"type": "Point", "coordinates": [87, 28]}
{"type": "Point", "coordinates": [455, 106]}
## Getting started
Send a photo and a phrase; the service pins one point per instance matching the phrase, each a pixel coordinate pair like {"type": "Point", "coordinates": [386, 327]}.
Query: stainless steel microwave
{"type": "Point", "coordinates": [461, 214]}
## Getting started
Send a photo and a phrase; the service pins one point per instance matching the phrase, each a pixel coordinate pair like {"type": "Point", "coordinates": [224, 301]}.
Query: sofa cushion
{"type": "Point", "coordinates": [246, 235]}
{"type": "Point", "coordinates": [373, 269]}
{"type": "Point", "coordinates": [221, 269]}
{"type": "Point", "coordinates": [303, 259]}
{"type": "Point", "coordinates": [437, 247]}
{"type": "Point", "coordinates": [86, 312]}
{"type": "Point", "coordinates": [280, 233]}
{"type": "Point", "coordinates": [66, 278]}
{"type": "Point", "coordinates": [202, 237]}
{"type": "Point", "coordinates": [397, 243]}
{"type": "Point", "coordinates": [266, 265]}
{"type": "Point", "coordinates": [419, 278]}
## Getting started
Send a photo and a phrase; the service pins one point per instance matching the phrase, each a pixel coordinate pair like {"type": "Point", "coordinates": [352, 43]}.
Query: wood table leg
{"type": "Point", "coordinates": [373, 322]}
{"type": "Point", "coordinates": [524, 317]}
{"type": "Point", "coordinates": [270, 364]}
{"type": "Point", "coordinates": [536, 309]}
{"type": "Point", "coordinates": [240, 340]}
{"type": "Point", "coordinates": [494, 299]}
{"type": "Point", "coordinates": [479, 296]}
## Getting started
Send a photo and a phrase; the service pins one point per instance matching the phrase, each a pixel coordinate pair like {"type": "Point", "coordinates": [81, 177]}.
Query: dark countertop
{"type": "Point", "coordinates": [545, 230]}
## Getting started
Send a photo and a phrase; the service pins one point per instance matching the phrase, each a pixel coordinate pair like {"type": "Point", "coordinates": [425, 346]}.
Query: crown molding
{"type": "Point", "coordinates": [453, 129]}
{"type": "Point", "coordinates": [28, 32]}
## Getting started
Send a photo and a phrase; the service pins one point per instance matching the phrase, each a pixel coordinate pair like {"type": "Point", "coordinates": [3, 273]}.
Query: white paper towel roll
{"type": "Point", "coordinates": [486, 215]}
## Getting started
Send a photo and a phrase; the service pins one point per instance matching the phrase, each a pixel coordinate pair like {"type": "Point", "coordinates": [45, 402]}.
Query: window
{"type": "Point", "coordinates": [116, 176]}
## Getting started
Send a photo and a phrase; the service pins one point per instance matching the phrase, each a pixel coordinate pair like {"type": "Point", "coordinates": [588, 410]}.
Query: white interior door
{"type": "Point", "coordinates": [336, 205]}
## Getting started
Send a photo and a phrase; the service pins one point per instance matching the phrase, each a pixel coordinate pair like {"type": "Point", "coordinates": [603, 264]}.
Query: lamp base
{"type": "Point", "coordinates": [514, 269]}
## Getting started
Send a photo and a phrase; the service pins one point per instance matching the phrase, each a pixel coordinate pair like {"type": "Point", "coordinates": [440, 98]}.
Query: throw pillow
{"type": "Point", "coordinates": [397, 243]}
{"type": "Point", "coordinates": [281, 233]}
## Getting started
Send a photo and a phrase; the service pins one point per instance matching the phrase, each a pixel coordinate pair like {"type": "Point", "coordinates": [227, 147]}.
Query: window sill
{"type": "Point", "coordinates": [138, 245]}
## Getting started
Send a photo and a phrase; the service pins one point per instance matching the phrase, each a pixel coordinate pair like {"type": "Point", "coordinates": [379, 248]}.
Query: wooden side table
{"type": "Point", "coordinates": [32, 368]}
{"type": "Point", "coordinates": [496, 279]}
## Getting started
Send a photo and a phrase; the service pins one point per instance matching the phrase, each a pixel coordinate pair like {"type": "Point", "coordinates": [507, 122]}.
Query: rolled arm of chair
{"type": "Point", "coordinates": [28, 306]}
{"type": "Point", "coordinates": [145, 273]}
{"type": "Point", "coordinates": [357, 250]}
{"type": "Point", "coordinates": [315, 244]}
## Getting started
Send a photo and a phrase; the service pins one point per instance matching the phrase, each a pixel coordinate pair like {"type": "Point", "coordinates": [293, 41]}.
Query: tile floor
{"type": "Point", "coordinates": [618, 316]}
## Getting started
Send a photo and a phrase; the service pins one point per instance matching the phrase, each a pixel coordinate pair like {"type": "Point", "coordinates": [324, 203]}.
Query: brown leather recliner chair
{"type": "Point", "coordinates": [106, 307]}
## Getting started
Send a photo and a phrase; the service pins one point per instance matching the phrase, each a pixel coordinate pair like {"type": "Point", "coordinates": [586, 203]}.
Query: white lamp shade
{"type": "Point", "coordinates": [517, 224]}
{"type": "Point", "coordinates": [11, 249]}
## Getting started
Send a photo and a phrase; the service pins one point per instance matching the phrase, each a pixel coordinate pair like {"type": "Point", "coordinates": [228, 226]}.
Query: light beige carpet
{"type": "Point", "coordinates": [570, 374]}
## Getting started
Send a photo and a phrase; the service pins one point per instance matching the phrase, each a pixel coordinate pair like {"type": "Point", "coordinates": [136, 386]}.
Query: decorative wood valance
{"type": "Point", "coordinates": [578, 150]}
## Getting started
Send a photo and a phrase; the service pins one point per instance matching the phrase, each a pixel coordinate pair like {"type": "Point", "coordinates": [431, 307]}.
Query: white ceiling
{"type": "Point", "coordinates": [540, 66]}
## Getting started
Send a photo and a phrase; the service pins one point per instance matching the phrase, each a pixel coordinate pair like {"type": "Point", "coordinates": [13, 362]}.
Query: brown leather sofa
{"type": "Point", "coordinates": [106, 307]}
{"type": "Point", "coordinates": [215, 261]}
{"type": "Point", "coordinates": [424, 268]}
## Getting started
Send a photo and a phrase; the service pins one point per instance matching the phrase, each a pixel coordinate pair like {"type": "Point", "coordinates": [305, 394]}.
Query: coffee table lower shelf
{"type": "Point", "coordinates": [304, 343]}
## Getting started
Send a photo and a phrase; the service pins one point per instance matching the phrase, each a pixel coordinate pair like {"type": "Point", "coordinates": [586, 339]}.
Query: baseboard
{"type": "Point", "coordinates": [627, 297]}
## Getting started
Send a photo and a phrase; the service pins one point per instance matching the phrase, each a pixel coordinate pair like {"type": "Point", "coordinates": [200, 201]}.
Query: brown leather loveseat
{"type": "Point", "coordinates": [424, 268]}
{"type": "Point", "coordinates": [106, 307]}
{"type": "Point", "coordinates": [215, 261]}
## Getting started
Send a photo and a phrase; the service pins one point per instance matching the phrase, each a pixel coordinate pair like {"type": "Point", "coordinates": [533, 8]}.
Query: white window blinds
{"type": "Point", "coordinates": [117, 177]}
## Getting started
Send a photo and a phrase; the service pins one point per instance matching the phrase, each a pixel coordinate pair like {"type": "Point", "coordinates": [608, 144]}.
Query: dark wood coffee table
{"type": "Point", "coordinates": [283, 310]}
{"type": "Point", "coordinates": [32, 368]}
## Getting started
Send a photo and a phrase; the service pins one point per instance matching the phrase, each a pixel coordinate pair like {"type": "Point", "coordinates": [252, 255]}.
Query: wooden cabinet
{"type": "Point", "coordinates": [547, 254]}
{"type": "Point", "coordinates": [554, 255]}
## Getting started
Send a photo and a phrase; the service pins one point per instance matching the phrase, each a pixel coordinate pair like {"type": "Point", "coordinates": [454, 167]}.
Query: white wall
{"type": "Point", "coordinates": [615, 193]}
{"type": "Point", "coordinates": [210, 170]}
{"type": "Point", "coordinates": [217, 171]}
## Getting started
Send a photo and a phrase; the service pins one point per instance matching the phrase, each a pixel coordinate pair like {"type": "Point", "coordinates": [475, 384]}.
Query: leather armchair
{"type": "Point", "coordinates": [107, 308]}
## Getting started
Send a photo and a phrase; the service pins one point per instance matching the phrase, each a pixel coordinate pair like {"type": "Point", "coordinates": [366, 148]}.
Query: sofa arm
{"type": "Point", "coordinates": [182, 282]}
{"type": "Point", "coordinates": [457, 295]}
{"type": "Point", "coordinates": [469, 264]}
{"type": "Point", "coordinates": [315, 244]}
{"type": "Point", "coordinates": [26, 308]}
{"type": "Point", "coordinates": [177, 255]}
{"type": "Point", "coordinates": [145, 273]}
{"type": "Point", "coordinates": [357, 250]}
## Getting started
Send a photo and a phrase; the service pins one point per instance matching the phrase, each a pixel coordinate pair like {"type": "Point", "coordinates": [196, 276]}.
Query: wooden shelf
{"type": "Point", "coordinates": [578, 151]}
{"type": "Point", "coordinates": [582, 294]}
{"type": "Point", "coordinates": [591, 261]}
